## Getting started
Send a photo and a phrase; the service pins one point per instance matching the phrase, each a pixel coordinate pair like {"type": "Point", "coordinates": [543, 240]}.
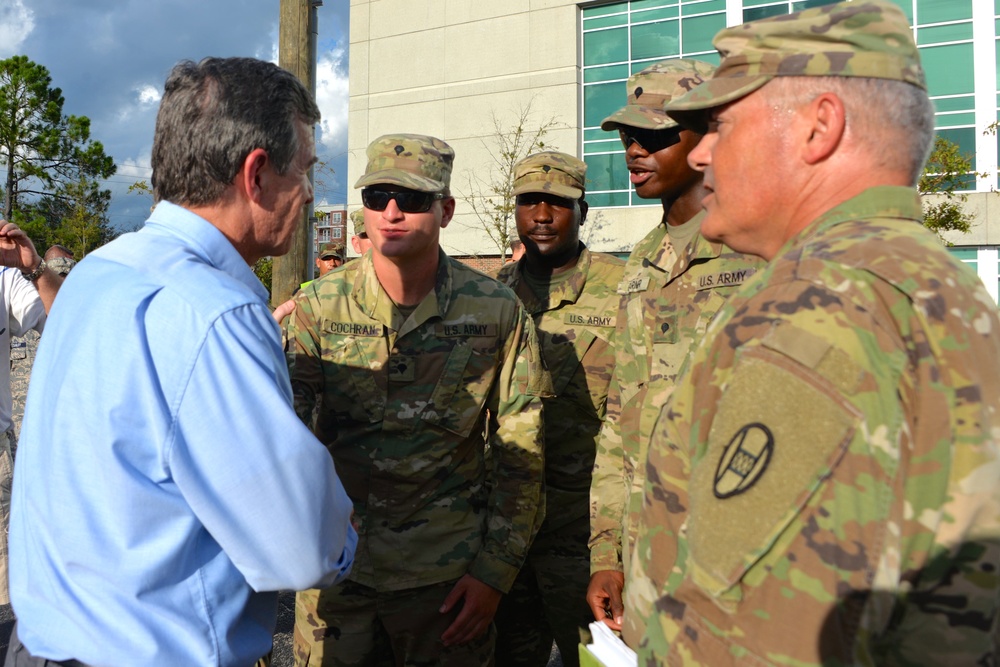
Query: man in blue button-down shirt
{"type": "Point", "coordinates": [164, 488]}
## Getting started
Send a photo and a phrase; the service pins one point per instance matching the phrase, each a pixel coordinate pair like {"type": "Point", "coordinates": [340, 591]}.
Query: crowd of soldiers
{"type": "Point", "coordinates": [771, 436]}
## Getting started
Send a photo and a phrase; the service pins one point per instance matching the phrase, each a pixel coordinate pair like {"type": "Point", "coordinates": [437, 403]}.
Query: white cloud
{"type": "Point", "coordinates": [16, 23]}
{"type": "Point", "coordinates": [332, 98]}
{"type": "Point", "coordinates": [148, 95]}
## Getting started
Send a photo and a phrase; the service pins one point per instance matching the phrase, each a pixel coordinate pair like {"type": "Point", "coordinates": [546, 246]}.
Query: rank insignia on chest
{"type": "Point", "coordinates": [402, 368]}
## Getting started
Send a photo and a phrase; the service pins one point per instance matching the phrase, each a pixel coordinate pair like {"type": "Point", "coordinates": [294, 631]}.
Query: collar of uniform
{"type": "Point", "coordinates": [698, 249]}
{"type": "Point", "coordinates": [884, 201]}
{"type": "Point", "coordinates": [367, 292]}
{"type": "Point", "coordinates": [567, 291]}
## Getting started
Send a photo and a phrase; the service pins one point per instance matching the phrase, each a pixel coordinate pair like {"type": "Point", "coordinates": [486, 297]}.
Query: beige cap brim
{"type": "Point", "coordinates": [567, 191]}
{"type": "Point", "coordinates": [633, 115]}
{"type": "Point", "coordinates": [402, 179]}
{"type": "Point", "coordinates": [689, 110]}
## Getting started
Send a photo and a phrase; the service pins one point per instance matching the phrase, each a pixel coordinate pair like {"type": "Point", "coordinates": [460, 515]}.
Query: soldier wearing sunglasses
{"type": "Point", "coordinates": [674, 283]}
{"type": "Point", "coordinates": [570, 293]}
{"type": "Point", "coordinates": [416, 363]}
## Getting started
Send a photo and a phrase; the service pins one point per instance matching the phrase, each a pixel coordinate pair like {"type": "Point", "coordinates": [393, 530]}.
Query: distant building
{"type": "Point", "coordinates": [411, 71]}
{"type": "Point", "coordinates": [330, 225]}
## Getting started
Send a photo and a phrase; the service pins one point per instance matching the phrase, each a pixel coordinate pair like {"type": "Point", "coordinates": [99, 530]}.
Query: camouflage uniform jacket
{"type": "Point", "coordinates": [822, 486]}
{"type": "Point", "coordinates": [402, 406]}
{"type": "Point", "coordinates": [666, 305]}
{"type": "Point", "coordinates": [575, 320]}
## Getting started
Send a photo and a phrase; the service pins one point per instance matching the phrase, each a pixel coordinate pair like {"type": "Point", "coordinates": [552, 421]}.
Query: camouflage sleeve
{"type": "Point", "coordinates": [842, 481]}
{"type": "Point", "coordinates": [304, 354]}
{"type": "Point", "coordinates": [608, 495]}
{"type": "Point", "coordinates": [516, 501]}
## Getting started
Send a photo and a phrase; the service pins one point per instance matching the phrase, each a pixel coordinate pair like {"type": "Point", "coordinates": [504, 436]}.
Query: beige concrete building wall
{"type": "Point", "coordinates": [446, 68]}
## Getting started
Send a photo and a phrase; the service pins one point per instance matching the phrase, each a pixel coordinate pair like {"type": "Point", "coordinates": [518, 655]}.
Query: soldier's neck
{"type": "Point", "coordinates": [406, 282]}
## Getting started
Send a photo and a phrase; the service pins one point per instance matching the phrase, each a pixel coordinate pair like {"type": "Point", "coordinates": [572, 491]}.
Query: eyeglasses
{"type": "Point", "coordinates": [408, 201]}
{"type": "Point", "coordinates": [651, 141]}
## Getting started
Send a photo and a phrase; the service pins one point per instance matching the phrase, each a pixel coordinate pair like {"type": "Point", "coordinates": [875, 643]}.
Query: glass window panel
{"type": "Point", "coordinates": [598, 135]}
{"type": "Point", "coordinates": [636, 200]}
{"type": "Point", "coordinates": [755, 3]}
{"type": "Point", "coordinates": [952, 119]}
{"type": "Point", "coordinates": [639, 5]}
{"type": "Point", "coordinates": [965, 137]}
{"type": "Point", "coordinates": [607, 73]}
{"type": "Point", "coordinates": [606, 21]}
{"type": "Point", "coordinates": [763, 12]}
{"type": "Point", "coordinates": [907, 7]}
{"type": "Point", "coordinates": [603, 10]}
{"type": "Point", "coordinates": [965, 254]}
{"type": "Point", "coordinates": [608, 141]}
{"type": "Point", "coordinates": [704, 6]}
{"type": "Point", "coordinates": [948, 68]}
{"type": "Point", "coordinates": [808, 4]}
{"type": "Point", "coordinates": [601, 100]}
{"type": "Point", "coordinates": [607, 172]}
{"type": "Point", "coordinates": [655, 40]}
{"type": "Point", "coordinates": [964, 103]}
{"type": "Point", "coordinates": [607, 199]}
{"type": "Point", "coordinates": [697, 33]}
{"type": "Point", "coordinates": [655, 15]}
{"type": "Point", "coordinates": [944, 33]}
{"type": "Point", "coordinates": [937, 11]}
{"type": "Point", "coordinates": [605, 46]}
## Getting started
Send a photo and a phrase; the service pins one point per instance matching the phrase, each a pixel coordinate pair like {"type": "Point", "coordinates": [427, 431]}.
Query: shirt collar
{"type": "Point", "coordinates": [206, 241]}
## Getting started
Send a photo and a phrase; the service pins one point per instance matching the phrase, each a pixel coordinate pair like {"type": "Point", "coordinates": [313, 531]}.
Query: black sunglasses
{"type": "Point", "coordinates": [408, 201]}
{"type": "Point", "coordinates": [651, 141]}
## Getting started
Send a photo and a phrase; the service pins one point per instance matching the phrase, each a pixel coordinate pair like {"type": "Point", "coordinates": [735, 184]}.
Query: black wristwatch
{"type": "Point", "coordinates": [32, 276]}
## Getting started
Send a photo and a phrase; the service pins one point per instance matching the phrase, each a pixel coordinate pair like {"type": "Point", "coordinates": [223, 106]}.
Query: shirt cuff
{"type": "Point", "coordinates": [605, 556]}
{"type": "Point", "coordinates": [489, 569]}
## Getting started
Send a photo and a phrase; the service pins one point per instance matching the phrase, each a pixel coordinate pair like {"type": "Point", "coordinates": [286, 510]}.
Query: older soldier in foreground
{"type": "Point", "coordinates": [165, 489]}
{"type": "Point", "coordinates": [675, 281]}
{"type": "Point", "coordinates": [832, 450]}
{"type": "Point", "coordinates": [570, 293]}
{"type": "Point", "coordinates": [417, 364]}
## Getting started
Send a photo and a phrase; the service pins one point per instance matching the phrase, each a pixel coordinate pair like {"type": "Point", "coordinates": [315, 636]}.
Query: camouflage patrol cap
{"type": "Point", "coordinates": [650, 89]}
{"type": "Point", "coordinates": [550, 171]}
{"type": "Point", "coordinates": [866, 38]}
{"type": "Point", "coordinates": [61, 265]}
{"type": "Point", "coordinates": [413, 161]}
{"type": "Point", "coordinates": [358, 219]}
{"type": "Point", "coordinates": [331, 250]}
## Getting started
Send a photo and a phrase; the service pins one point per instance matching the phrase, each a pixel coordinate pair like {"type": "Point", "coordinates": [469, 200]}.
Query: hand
{"type": "Point", "coordinates": [479, 605]}
{"type": "Point", "coordinates": [16, 249]}
{"type": "Point", "coordinates": [604, 595]}
{"type": "Point", "coordinates": [283, 311]}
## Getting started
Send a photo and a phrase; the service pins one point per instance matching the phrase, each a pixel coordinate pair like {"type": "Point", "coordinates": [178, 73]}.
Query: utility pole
{"type": "Point", "coordinates": [297, 30]}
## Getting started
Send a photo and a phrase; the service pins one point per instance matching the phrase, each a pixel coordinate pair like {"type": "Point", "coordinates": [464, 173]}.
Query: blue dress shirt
{"type": "Point", "coordinates": [164, 488]}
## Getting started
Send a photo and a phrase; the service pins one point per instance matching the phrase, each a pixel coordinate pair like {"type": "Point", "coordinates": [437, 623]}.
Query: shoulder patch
{"type": "Point", "coordinates": [743, 460]}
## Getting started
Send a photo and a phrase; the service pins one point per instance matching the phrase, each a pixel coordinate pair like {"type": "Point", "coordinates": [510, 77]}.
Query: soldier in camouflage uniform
{"type": "Point", "coordinates": [570, 294]}
{"type": "Point", "coordinates": [419, 364]}
{"type": "Point", "coordinates": [359, 240]}
{"type": "Point", "coordinates": [675, 281]}
{"type": "Point", "coordinates": [822, 486]}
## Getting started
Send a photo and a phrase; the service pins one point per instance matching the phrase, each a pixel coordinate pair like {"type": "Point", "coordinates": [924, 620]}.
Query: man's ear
{"type": "Point", "coordinates": [250, 178]}
{"type": "Point", "coordinates": [447, 211]}
{"type": "Point", "coordinates": [828, 121]}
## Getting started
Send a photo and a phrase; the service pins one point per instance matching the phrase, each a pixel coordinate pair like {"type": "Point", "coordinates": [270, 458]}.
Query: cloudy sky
{"type": "Point", "coordinates": [110, 58]}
